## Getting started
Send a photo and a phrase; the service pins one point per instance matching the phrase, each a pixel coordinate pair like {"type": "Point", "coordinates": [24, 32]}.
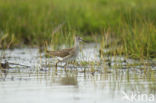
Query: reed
{"type": "Point", "coordinates": [34, 22]}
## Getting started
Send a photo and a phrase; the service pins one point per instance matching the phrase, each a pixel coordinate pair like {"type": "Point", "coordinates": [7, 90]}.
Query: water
{"type": "Point", "coordinates": [106, 80]}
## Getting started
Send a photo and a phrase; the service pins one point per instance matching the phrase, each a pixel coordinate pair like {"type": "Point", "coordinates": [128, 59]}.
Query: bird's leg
{"type": "Point", "coordinates": [56, 67]}
{"type": "Point", "coordinates": [65, 66]}
{"type": "Point", "coordinates": [56, 64]}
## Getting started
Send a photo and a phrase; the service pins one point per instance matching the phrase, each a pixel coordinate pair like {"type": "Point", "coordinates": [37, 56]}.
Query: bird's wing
{"type": "Point", "coordinates": [60, 53]}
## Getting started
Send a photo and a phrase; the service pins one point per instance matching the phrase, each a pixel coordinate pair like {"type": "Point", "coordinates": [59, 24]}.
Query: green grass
{"type": "Point", "coordinates": [32, 22]}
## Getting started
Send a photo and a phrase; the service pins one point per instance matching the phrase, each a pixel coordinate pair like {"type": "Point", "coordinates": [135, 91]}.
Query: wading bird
{"type": "Point", "coordinates": [67, 55]}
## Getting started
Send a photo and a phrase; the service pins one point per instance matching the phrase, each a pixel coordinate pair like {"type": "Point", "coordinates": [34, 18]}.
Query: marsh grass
{"type": "Point", "coordinates": [131, 24]}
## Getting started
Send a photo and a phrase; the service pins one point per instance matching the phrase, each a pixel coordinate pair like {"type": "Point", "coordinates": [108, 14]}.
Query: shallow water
{"type": "Point", "coordinates": [33, 78]}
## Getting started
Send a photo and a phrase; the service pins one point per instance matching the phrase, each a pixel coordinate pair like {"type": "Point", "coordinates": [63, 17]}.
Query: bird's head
{"type": "Point", "coordinates": [79, 39]}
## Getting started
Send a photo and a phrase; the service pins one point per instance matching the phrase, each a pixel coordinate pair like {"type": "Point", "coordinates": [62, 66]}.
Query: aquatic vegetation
{"type": "Point", "coordinates": [130, 24]}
